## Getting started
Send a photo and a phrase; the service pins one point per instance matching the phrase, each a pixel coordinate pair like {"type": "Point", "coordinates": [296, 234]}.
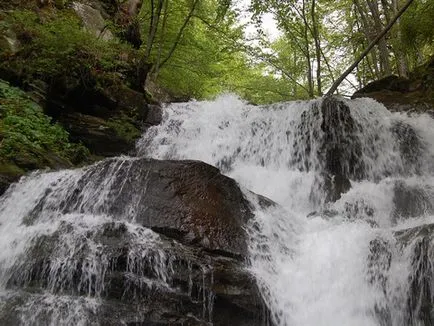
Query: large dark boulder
{"type": "Point", "coordinates": [171, 251]}
{"type": "Point", "coordinates": [186, 200]}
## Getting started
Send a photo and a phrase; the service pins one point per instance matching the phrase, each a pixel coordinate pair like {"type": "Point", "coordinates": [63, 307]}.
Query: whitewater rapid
{"type": "Point", "coordinates": [364, 259]}
{"type": "Point", "coordinates": [311, 258]}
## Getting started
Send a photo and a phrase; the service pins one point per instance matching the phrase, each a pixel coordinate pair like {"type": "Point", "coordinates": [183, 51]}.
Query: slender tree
{"type": "Point", "coordinates": [336, 84]}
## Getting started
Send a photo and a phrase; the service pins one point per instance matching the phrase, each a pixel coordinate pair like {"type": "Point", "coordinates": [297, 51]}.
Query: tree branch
{"type": "Point", "coordinates": [369, 48]}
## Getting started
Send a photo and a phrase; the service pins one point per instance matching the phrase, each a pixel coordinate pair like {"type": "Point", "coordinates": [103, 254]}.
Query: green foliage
{"type": "Point", "coordinates": [210, 57]}
{"type": "Point", "coordinates": [55, 45]}
{"type": "Point", "coordinates": [417, 27]}
{"type": "Point", "coordinates": [25, 130]}
{"type": "Point", "coordinates": [124, 128]}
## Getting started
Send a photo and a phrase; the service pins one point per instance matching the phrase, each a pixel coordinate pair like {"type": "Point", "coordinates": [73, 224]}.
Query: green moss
{"type": "Point", "coordinates": [8, 168]}
{"type": "Point", "coordinates": [55, 44]}
{"type": "Point", "coordinates": [28, 137]}
{"type": "Point", "coordinates": [124, 128]}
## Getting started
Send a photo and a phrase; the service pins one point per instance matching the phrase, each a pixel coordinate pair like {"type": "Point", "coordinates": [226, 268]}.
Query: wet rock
{"type": "Point", "coordinates": [154, 116]}
{"type": "Point", "coordinates": [360, 210]}
{"type": "Point", "coordinates": [196, 284]}
{"type": "Point", "coordinates": [413, 94]}
{"type": "Point", "coordinates": [99, 135]}
{"type": "Point", "coordinates": [9, 173]}
{"type": "Point", "coordinates": [410, 146]}
{"type": "Point", "coordinates": [306, 134]}
{"type": "Point", "coordinates": [326, 140]}
{"type": "Point", "coordinates": [92, 20]}
{"type": "Point", "coordinates": [379, 262]}
{"type": "Point", "coordinates": [190, 270]}
{"type": "Point", "coordinates": [28, 158]}
{"type": "Point", "coordinates": [325, 214]}
{"type": "Point", "coordinates": [412, 201]}
{"type": "Point", "coordinates": [331, 186]}
{"type": "Point", "coordinates": [415, 307]}
{"type": "Point", "coordinates": [340, 147]}
{"type": "Point", "coordinates": [420, 299]}
{"type": "Point", "coordinates": [186, 200]}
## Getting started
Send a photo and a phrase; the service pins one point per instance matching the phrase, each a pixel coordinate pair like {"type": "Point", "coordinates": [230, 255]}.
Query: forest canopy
{"type": "Point", "coordinates": [317, 40]}
{"type": "Point", "coordinates": [201, 48]}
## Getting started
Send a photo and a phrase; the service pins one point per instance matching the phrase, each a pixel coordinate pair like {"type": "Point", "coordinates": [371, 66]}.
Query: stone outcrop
{"type": "Point", "coordinates": [412, 201]}
{"type": "Point", "coordinates": [173, 253]}
{"type": "Point", "coordinates": [415, 93]}
{"type": "Point", "coordinates": [337, 156]}
{"type": "Point", "coordinates": [92, 20]}
{"type": "Point", "coordinates": [416, 305]}
{"type": "Point", "coordinates": [107, 121]}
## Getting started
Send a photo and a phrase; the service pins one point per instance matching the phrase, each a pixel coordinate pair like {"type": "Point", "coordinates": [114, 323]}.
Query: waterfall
{"type": "Point", "coordinates": [321, 262]}
{"type": "Point", "coordinates": [348, 241]}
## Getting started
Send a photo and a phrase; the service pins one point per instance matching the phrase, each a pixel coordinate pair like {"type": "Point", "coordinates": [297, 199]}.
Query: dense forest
{"type": "Point", "coordinates": [200, 48]}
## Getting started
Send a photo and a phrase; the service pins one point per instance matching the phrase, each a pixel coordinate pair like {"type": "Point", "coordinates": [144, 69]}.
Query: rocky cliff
{"type": "Point", "coordinates": [77, 62]}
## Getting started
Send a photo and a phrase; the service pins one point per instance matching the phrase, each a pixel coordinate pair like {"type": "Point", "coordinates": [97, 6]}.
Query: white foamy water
{"type": "Point", "coordinates": [56, 231]}
{"type": "Point", "coordinates": [350, 262]}
{"type": "Point", "coordinates": [342, 264]}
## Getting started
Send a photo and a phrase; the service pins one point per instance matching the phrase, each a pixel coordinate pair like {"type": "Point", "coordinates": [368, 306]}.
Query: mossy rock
{"type": "Point", "coordinates": [102, 137]}
{"type": "Point", "coordinates": [124, 128]}
{"type": "Point", "coordinates": [415, 93]}
{"type": "Point", "coordinates": [9, 173]}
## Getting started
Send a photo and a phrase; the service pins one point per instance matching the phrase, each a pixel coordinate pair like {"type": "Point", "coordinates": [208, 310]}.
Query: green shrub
{"type": "Point", "coordinates": [24, 129]}
{"type": "Point", "coordinates": [54, 44]}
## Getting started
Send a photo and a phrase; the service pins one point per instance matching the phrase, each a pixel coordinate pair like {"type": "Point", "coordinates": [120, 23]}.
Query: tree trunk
{"type": "Point", "coordinates": [373, 43]}
{"type": "Point", "coordinates": [382, 45]}
{"type": "Point", "coordinates": [317, 48]}
{"type": "Point", "coordinates": [401, 60]}
{"type": "Point", "coordinates": [308, 60]}
{"type": "Point", "coordinates": [180, 33]}
{"type": "Point", "coordinates": [153, 26]}
{"type": "Point", "coordinates": [365, 28]}
{"type": "Point", "coordinates": [156, 68]}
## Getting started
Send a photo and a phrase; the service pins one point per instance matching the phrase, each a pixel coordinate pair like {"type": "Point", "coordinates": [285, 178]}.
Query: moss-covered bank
{"type": "Point", "coordinates": [29, 139]}
{"type": "Point", "coordinates": [71, 86]}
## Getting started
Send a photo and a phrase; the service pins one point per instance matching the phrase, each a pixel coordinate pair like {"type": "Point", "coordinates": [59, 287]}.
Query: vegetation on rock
{"type": "Point", "coordinates": [29, 139]}
{"type": "Point", "coordinates": [26, 130]}
{"type": "Point", "coordinates": [53, 46]}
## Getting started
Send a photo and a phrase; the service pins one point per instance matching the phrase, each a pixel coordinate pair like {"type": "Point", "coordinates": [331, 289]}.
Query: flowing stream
{"type": "Point", "coordinates": [313, 268]}
{"type": "Point", "coordinates": [363, 259]}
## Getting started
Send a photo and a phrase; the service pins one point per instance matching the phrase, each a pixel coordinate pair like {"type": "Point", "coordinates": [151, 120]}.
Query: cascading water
{"type": "Point", "coordinates": [320, 262]}
{"type": "Point", "coordinates": [348, 244]}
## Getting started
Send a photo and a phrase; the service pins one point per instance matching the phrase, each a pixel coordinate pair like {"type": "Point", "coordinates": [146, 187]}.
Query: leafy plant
{"type": "Point", "coordinates": [25, 129]}
{"type": "Point", "coordinates": [55, 45]}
